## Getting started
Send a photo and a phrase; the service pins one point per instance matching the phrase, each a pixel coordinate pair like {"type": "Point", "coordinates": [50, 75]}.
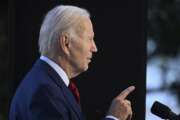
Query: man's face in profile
{"type": "Point", "coordinates": [83, 47]}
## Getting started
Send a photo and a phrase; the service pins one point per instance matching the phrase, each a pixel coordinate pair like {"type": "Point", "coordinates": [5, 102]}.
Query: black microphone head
{"type": "Point", "coordinates": [160, 110]}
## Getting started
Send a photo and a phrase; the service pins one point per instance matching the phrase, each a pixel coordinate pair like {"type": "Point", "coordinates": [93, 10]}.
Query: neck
{"type": "Point", "coordinates": [65, 65]}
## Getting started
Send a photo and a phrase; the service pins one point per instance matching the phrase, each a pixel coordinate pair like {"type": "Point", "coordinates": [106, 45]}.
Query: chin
{"type": "Point", "coordinates": [85, 68]}
{"type": "Point", "coordinates": [82, 68]}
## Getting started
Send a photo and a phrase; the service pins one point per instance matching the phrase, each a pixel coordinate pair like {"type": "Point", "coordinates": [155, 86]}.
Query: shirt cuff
{"type": "Point", "coordinates": [112, 117]}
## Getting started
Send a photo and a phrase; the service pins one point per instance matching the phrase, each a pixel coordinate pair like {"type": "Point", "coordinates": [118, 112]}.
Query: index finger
{"type": "Point", "coordinates": [126, 92]}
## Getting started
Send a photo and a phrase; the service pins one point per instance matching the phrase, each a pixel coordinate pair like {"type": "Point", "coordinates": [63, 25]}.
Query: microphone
{"type": "Point", "coordinates": [163, 111]}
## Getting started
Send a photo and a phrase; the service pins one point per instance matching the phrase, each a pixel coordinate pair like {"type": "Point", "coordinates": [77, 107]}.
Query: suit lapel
{"type": "Point", "coordinates": [67, 93]}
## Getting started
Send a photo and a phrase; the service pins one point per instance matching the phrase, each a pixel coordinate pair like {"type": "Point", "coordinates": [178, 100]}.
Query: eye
{"type": "Point", "coordinates": [91, 39]}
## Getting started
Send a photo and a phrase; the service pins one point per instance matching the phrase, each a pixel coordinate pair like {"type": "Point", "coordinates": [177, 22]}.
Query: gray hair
{"type": "Point", "coordinates": [60, 19]}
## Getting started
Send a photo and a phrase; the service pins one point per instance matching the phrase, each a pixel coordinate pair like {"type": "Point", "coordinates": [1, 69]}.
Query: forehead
{"type": "Point", "coordinates": [87, 27]}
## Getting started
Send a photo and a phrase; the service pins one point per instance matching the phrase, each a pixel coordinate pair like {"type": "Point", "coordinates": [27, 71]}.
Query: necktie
{"type": "Point", "coordinates": [74, 91]}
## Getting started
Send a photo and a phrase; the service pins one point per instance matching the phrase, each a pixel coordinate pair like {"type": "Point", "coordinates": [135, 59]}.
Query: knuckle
{"type": "Point", "coordinates": [118, 99]}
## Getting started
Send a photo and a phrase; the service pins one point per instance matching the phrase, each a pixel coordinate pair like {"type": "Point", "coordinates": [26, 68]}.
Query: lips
{"type": "Point", "coordinates": [89, 59]}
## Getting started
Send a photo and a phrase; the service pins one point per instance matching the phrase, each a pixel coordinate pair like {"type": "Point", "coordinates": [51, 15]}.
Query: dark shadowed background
{"type": "Point", "coordinates": [120, 36]}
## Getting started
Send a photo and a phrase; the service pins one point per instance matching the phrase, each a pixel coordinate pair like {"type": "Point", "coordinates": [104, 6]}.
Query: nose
{"type": "Point", "coordinates": [94, 47]}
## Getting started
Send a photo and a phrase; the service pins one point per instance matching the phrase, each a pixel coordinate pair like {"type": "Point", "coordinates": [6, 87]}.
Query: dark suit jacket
{"type": "Point", "coordinates": [42, 95]}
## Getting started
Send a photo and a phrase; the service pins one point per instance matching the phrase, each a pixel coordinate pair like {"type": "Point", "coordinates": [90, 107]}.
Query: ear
{"type": "Point", "coordinates": [64, 43]}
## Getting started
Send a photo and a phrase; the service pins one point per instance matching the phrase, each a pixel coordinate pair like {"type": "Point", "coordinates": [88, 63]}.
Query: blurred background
{"type": "Point", "coordinates": [163, 51]}
{"type": "Point", "coordinates": [162, 36]}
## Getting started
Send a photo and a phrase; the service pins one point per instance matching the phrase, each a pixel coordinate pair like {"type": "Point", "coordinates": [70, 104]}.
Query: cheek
{"type": "Point", "coordinates": [79, 56]}
{"type": "Point", "coordinates": [82, 52]}
{"type": "Point", "coordinates": [82, 56]}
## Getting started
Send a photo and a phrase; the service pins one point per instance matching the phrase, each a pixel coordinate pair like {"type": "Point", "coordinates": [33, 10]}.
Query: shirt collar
{"type": "Point", "coordinates": [57, 68]}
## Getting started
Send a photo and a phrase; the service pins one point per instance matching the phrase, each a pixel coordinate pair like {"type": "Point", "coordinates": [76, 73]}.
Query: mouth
{"type": "Point", "coordinates": [89, 59]}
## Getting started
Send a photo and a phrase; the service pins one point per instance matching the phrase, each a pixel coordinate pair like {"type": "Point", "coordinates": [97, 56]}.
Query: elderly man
{"type": "Point", "coordinates": [66, 44]}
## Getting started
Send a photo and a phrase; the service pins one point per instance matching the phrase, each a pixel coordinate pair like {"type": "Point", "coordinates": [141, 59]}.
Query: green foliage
{"type": "Point", "coordinates": [164, 25]}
